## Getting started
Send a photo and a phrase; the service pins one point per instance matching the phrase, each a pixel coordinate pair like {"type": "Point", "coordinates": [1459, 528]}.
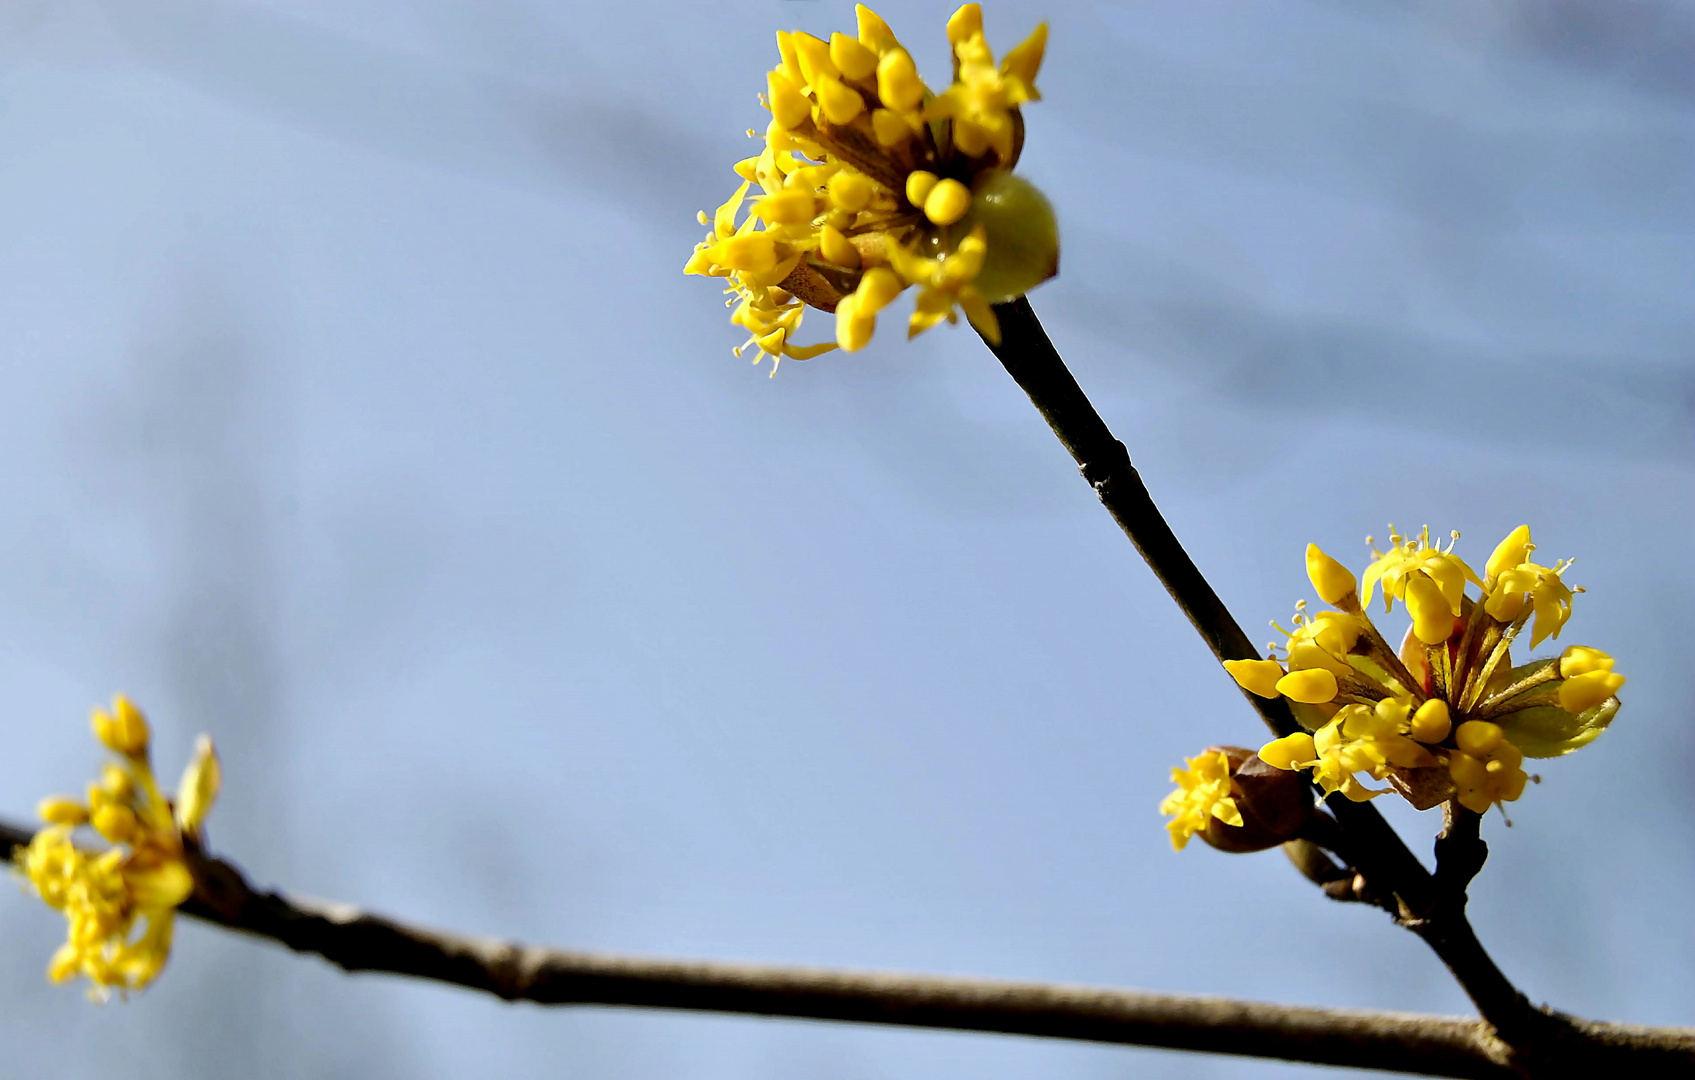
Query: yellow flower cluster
{"type": "Point", "coordinates": [1204, 791]}
{"type": "Point", "coordinates": [121, 903]}
{"type": "Point", "coordinates": [869, 183]}
{"type": "Point", "coordinates": [1447, 715]}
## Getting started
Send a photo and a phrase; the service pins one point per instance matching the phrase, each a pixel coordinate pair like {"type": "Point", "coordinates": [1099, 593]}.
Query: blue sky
{"type": "Point", "coordinates": [357, 414]}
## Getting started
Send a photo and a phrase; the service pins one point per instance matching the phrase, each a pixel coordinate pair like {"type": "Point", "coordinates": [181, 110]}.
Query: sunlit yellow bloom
{"type": "Point", "coordinates": [1203, 792]}
{"type": "Point", "coordinates": [1416, 558]}
{"type": "Point", "coordinates": [1446, 715]}
{"type": "Point", "coordinates": [864, 170]}
{"type": "Point", "coordinates": [1360, 738]}
{"type": "Point", "coordinates": [1548, 594]}
{"type": "Point", "coordinates": [983, 99]}
{"type": "Point", "coordinates": [120, 903]}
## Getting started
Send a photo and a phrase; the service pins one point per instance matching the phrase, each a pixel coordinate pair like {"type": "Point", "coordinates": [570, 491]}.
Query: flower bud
{"type": "Point", "coordinates": [1581, 660]}
{"type": "Point", "coordinates": [1312, 686]}
{"type": "Point", "coordinates": [1332, 580]}
{"type": "Point", "coordinates": [1432, 620]}
{"type": "Point", "coordinates": [123, 730]}
{"type": "Point", "coordinates": [1580, 693]}
{"type": "Point", "coordinates": [1256, 676]}
{"type": "Point", "coordinates": [116, 822]}
{"type": "Point", "coordinates": [1022, 234]}
{"type": "Point", "coordinates": [1509, 552]}
{"type": "Point", "coordinates": [61, 810]}
{"type": "Point", "coordinates": [1289, 752]}
{"type": "Point", "coordinates": [199, 786]}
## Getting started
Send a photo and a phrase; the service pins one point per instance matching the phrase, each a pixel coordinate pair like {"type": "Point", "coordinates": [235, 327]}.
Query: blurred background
{"type": "Point", "coordinates": [356, 412]}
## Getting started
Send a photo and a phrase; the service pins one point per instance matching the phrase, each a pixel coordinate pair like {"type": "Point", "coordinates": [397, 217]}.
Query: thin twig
{"type": "Point", "coordinates": [359, 941]}
{"type": "Point", "coordinates": [1374, 849]}
{"type": "Point", "coordinates": [1030, 358]}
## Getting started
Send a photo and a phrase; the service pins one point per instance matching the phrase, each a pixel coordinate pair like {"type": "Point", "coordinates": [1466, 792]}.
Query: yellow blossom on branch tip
{"type": "Point", "coordinates": [863, 169]}
{"type": "Point", "coordinates": [1448, 715]}
{"type": "Point", "coordinates": [1203, 793]}
{"type": "Point", "coordinates": [120, 904]}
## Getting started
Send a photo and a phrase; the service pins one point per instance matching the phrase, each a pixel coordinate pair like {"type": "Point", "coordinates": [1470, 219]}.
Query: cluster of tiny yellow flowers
{"type": "Point", "coordinates": [1447, 715]}
{"type": "Point", "coordinates": [121, 903]}
{"type": "Point", "coordinates": [1204, 792]}
{"type": "Point", "coordinates": [870, 184]}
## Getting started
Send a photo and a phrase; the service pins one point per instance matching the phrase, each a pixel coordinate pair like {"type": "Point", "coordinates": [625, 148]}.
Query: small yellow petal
{"type": "Point", "coordinates": [1026, 58]}
{"type": "Point", "coordinates": [841, 103]}
{"type": "Point", "coordinates": [965, 23]}
{"type": "Point", "coordinates": [877, 289]}
{"type": "Point", "coordinates": [889, 128]}
{"type": "Point", "coordinates": [61, 810]}
{"type": "Point", "coordinates": [814, 56]}
{"type": "Point", "coordinates": [874, 33]}
{"type": "Point", "coordinates": [836, 248]}
{"type": "Point", "coordinates": [1256, 676]}
{"type": "Point", "coordinates": [898, 84]}
{"type": "Point", "coordinates": [1286, 752]}
{"type": "Point", "coordinates": [115, 822]}
{"type": "Point", "coordinates": [853, 330]}
{"type": "Point", "coordinates": [1510, 552]}
{"type": "Point", "coordinates": [788, 104]}
{"type": "Point", "coordinates": [850, 191]}
{"type": "Point", "coordinates": [791, 206]}
{"type": "Point", "coordinates": [851, 58]}
{"type": "Point", "coordinates": [1580, 660]}
{"type": "Point", "coordinates": [1311, 687]}
{"type": "Point", "coordinates": [198, 789]}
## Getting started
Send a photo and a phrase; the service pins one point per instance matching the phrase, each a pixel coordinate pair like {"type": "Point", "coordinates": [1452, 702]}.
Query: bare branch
{"type": "Point", "coordinates": [356, 941]}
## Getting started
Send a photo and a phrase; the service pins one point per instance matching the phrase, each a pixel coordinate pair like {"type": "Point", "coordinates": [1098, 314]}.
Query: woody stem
{"type": "Point", "coordinates": [1372, 846]}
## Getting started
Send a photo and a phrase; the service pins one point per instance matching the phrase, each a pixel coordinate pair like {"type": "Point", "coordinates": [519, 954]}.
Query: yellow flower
{"type": "Point", "coordinates": [1446, 715]}
{"type": "Point", "coordinates": [1417, 559]}
{"type": "Point", "coordinates": [864, 171]}
{"type": "Point", "coordinates": [120, 903]}
{"type": "Point", "coordinates": [1357, 739]}
{"type": "Point", "coordinates": [1203, 793]}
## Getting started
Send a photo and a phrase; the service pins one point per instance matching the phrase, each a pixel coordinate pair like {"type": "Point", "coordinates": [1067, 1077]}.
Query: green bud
{"type": "Point", "coordinates": [1544, 731]}
{"type": "Point", "coordinates": [1022, 234]}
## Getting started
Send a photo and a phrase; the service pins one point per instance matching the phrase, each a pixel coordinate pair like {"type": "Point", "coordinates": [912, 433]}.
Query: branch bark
{"type": "Point", "coordinates": [1035, 365]}
{"type": "Point", "coordinates": [1544, 1041]}
{"type": "Point", "coordinates": [360, 941]}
